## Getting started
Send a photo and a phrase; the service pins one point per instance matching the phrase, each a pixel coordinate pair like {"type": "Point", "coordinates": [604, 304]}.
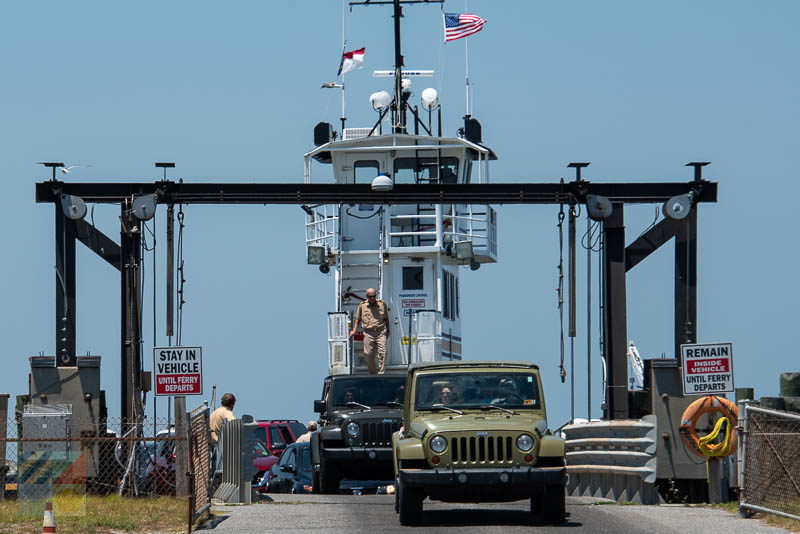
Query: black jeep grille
{"type": "Point", "coordinates": [481, 449]}
{"type": "Point", "coordinates": [379, 434]}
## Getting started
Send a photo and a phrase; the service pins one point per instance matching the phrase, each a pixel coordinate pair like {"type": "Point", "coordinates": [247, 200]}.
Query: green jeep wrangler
{"type": "Point", "coordinates": [477, 432]}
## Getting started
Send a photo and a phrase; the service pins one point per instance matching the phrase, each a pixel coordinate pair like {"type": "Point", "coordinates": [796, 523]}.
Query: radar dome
{"type": "Point", "coordinates": [430, 98]}
{"type": "Point", "coordinates": [380, 100]}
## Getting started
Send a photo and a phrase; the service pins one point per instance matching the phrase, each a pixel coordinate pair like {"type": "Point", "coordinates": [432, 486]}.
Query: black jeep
{"type": "Point", "coordinates": [359, 414]}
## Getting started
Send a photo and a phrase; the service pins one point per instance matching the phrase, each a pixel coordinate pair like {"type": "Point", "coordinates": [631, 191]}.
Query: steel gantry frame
{"type": "Point", "coordinates": [618, 259]}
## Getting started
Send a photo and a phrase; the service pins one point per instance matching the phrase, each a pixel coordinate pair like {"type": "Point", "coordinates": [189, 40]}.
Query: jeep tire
{"type": "Point", "coordinates": [409, 504]}
{"type": "Point", "coordinates": [329, 478]}
{"type": "Point", "coordinates": [315, 488]}
{"type": "Point", "coordinates": [550, 508]}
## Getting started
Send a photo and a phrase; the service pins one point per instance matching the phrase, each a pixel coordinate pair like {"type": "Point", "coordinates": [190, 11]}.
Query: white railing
{"type": "Point", "coordinates": [459, 223]}
{"type": "Point", "coordinates": [322, 228]}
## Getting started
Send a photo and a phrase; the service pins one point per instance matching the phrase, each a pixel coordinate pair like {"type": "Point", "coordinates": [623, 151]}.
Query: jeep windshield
{"type": "Point", "coordinates": [479, 391]}
{"type": "Point", "coordinates": [369, 391]}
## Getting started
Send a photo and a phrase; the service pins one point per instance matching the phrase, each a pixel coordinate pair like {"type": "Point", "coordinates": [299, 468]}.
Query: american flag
{"type": "Point", "coordinates": [458, 25]}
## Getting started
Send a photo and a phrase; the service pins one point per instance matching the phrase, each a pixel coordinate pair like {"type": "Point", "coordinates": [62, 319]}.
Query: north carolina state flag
{"type": "Point", "coordinates": [351, 61]}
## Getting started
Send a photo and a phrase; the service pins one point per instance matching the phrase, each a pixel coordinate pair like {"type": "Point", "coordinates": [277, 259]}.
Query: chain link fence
{"type": "Point", "coordinates": [49, 454]}
{"type": "Point", "coordinates": [200, 464]}
{"type": "Point", "coordinates": [46, 453]}
{"type": "Point", "coordinates": [770, 469]}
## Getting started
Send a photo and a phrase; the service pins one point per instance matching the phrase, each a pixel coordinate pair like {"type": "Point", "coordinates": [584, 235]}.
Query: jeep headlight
{"type": "Point", "coordinates": [438, 444]}
{"type": "Point", "coordinates": [525, 442]}
{"type": "Point", "coordinates": [352, 429]}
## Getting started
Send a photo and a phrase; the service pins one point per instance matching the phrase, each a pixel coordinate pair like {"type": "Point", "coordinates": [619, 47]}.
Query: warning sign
{"type": "Point", "coordinates": [707, 369]}
{"type": "Point", "coordinates": [178, 370]}
{"type": "Point", "coordinates": [413, 303]}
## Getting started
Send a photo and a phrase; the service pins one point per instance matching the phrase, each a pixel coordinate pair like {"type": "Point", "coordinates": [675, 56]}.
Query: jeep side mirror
{"type": "Point", "coordinates": [319, 406]}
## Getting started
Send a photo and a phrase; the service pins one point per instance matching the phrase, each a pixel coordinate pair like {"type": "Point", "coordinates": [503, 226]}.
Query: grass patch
{"type": "Point", "coordinates": [78, 514]}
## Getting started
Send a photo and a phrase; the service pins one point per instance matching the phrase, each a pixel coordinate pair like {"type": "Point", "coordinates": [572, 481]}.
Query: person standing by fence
{"type": "Point", "coordinates": [220, 415]}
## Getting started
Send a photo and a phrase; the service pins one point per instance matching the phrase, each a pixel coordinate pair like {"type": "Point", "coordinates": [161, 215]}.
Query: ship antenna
{"type": "Point", "coordinates": [400, 103]}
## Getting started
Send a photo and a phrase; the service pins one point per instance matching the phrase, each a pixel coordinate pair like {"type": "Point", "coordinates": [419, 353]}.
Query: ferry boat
{"type": "Point", "coordinates": [413, 255]}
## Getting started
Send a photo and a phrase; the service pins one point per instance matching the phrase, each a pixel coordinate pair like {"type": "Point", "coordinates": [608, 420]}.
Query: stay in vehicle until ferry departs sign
{"type": "Point", "coordinates": [707, 369]}
{"type": "Point", "coordinates": [178, 370]}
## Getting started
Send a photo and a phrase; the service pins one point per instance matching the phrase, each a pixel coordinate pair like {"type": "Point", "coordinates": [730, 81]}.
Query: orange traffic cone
{"type": "Point", "coordinates": [49, 523]}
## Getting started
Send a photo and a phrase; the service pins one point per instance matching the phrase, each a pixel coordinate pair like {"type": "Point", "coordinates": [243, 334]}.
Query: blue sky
{"type": "Point", "coordinates": [230, 92]}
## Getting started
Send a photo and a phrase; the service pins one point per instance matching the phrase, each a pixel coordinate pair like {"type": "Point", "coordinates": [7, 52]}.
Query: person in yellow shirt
{"type": "Point", "coordinates": [220, 415]}
{"type": "Point", "coordinates": [373, 316]}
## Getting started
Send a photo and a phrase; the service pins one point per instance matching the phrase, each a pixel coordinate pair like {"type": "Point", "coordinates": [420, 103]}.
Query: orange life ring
{"type": "Point", "coordinates": [704, 405]}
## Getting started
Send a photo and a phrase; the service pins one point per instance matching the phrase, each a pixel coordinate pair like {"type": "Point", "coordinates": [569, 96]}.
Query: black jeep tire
{"type": "Point", "coordinates": [550, 508]}
{"type": "Point", "coordinates": [410, 505]}
{"type": "Point", "coordinates": [329, 478]}
{"type": "Point", "coordinates": [315, 487]}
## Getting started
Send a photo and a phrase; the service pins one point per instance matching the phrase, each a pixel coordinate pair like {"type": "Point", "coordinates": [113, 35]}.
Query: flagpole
{"type": "Point", "coordinates": [344, 47]}
{"type": "Point", "coordinates": [466, 69]}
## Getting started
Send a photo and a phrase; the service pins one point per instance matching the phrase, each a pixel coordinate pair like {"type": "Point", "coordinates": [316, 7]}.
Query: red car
{"type": "Point", "coordinates": [277, 434]}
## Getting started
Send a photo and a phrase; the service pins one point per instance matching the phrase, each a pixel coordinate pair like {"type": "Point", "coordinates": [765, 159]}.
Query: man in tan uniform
{"type": "Point", "coordinates": [220, 415]}
{"type": "Point", "coordinates": [373, 316]}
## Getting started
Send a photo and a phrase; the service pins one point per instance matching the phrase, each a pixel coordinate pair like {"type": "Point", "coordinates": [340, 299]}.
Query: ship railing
{"type": "Point", "coordinates": [321, 227]}
{"type": "Point", "coordinates": [455, 224]}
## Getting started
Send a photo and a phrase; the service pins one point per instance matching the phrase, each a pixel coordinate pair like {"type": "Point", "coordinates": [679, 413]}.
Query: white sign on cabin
{"type": "Point", "coordinates": [707, 368]}
{"type": "Point", "coordinates": [178, 370]}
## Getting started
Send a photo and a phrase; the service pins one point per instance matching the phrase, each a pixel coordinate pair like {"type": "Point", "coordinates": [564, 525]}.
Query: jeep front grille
{"type": "Point", "coordinates": [379, 434]}
{"type": "Point", "coordinates": [483, 449]}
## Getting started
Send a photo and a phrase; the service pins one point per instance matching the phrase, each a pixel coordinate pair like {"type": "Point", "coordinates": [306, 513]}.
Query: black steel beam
{"type": "Point", "coordinates": [293, 193]}
{"type": "Point", "coordinates": [65, 289]}
{"type": "Point", "coordinates": [615, 328]}
{"type": "Point", "coordinates": [648, 242]}
{"type": "Point", "coordinates": [130, 289]}
{"type": "Point", "coordinates": [99, 243]}
{"type": "Point", "coordinates": [686, 282]}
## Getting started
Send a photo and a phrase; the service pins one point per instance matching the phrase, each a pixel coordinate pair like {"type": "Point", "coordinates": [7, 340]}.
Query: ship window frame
{"type": "Point", "coordinates": [419, 164]}
{"type": "Point", "coordinates": [366, 164]}
{"type": "Point", "coordinates": [418, 277]}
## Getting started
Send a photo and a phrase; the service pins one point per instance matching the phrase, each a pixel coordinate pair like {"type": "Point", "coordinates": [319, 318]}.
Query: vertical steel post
{"type": "Point", "coordinates": [181, 447]}
{"type": "Point", "coordinates": [615, 333]}
{"type": "Point", "coordinates": [3, 433]}
{"type": "Point", "coordinates": [65, 289]}
{"type": "Point", "coordinates": [130, 347]}
{"type": "Point", "coordinates": [571, 303]}
{"type": "Point", "coordinates": [686, 282]}
{"type": "Point", "coordinates": [170, 269]}
{"type": "Point", "coordinates": [741, 454]}
{"type": "Point", "coordinates": [589, 319]}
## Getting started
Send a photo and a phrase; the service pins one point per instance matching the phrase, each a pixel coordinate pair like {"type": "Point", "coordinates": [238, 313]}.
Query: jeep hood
{"type": "Point", "coordinates": [492, 421]}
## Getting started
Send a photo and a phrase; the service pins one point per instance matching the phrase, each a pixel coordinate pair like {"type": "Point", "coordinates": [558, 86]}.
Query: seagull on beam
{"type": "Point", "coordinates": [66, 170]}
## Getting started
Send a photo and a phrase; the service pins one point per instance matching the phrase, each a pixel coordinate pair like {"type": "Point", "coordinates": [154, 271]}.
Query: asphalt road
{"type": "Point", "coordinates": [375, 513]}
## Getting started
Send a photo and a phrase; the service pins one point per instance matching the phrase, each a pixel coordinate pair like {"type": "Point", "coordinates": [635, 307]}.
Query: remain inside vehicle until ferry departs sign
{"type": "Point", "coordinates": [707, 369]}
{"type": "Point", "coordinates": [178, 370]}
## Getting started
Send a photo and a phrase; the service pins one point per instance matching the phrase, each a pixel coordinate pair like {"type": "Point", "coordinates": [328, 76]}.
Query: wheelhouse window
{"type": "Point", "coordinates": [426, 170]}
{"type": "Point", "coordinates": [365, 171]}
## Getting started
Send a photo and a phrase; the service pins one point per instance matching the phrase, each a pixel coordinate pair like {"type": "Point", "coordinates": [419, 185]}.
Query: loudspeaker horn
{"type": "Point", "coordinates": [144, 207]}
{"type": "Point", "coordinates": [73, 207]}
{"type": "Point", "coordinates": [599, 207]}
{"type": "Point", "coordinates": [678, 207]}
